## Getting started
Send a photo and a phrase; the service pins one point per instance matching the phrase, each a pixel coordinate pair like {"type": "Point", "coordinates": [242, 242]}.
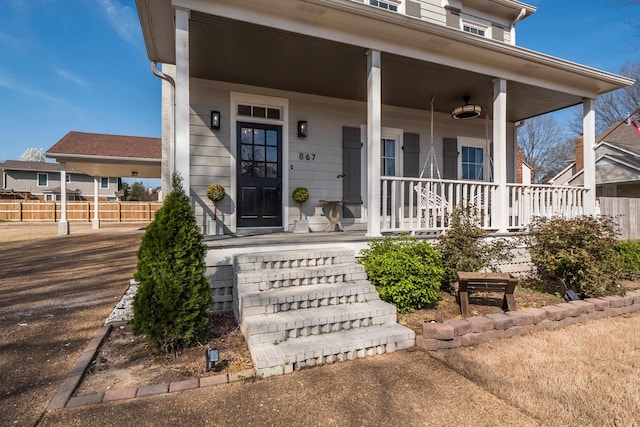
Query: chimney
{"type": "Point", "coordinates": [519, 166]}
{"type": "Point", "coordinates": [579, 153]}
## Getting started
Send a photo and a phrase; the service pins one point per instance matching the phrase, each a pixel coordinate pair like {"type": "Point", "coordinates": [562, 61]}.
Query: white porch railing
{"type": "Point", "coordinates": [423, 205]}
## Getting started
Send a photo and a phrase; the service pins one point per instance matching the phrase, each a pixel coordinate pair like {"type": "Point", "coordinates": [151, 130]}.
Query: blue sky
{"type": "Point", "coordinates": [81, 64]}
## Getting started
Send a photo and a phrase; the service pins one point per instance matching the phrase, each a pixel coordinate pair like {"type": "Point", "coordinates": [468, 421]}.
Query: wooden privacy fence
{"type": "Point", "coordinates": [625, 211]}
{"type": "Point", "coordinates": [34, 211]}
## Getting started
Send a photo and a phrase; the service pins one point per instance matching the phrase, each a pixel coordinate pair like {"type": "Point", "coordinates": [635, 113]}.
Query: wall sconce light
{"type": "Point", "coordinates": [215, 120]}
{"type": "Point", "coordinates": [303, 129]}
{"type": "Point", "coordinates": [212, 355]}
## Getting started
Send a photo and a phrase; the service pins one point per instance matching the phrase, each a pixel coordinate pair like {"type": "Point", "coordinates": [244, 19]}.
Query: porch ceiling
{"type": "Point", "coordinates": [239, 52]}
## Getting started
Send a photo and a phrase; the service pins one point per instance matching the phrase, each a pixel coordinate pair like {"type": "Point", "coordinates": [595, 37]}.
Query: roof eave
{"type": "Point", "coordinates": [93, 157]}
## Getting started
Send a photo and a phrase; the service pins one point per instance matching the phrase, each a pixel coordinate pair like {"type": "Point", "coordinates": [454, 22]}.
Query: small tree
{"type": "Point", "coordinates": [465, 246]}
{"type": "Point", "coordinates": [215, 193]}
{"type": "Point", "coordinates": [32, 155]}
{"type": "Point", "coordinates": [578, 254]}
{"type": "Point", "coordinates": [300, 195]}
{"type": "Point", "coordinates": [171, 304]}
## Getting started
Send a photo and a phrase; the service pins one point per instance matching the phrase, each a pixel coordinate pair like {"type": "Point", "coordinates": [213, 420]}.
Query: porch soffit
{"type": "Point", "coordinates": [328, 58]}
{"type": "Point", "coordinates": [238, 52]}
{"type": "Point", "coordinates": [115, 167]}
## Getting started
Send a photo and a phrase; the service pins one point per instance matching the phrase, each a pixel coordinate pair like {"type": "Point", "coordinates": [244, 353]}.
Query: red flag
{"type": "Point", "coordinates": [636, 125]}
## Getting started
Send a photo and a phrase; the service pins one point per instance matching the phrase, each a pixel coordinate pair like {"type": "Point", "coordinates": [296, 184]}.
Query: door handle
{"type": "Point", "coordinates": [342, 175]}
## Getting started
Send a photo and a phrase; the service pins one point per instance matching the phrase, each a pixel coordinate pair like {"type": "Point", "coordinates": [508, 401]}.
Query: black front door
{"type": "Point", "coordinates": [259, 175]}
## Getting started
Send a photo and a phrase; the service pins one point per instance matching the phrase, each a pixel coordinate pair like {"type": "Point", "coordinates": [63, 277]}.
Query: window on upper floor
{"type": "Point", "coordinates": [476, 28]}
{"type": "Point", "coordinates": [43, 180]}
{"type": "Point", "coordinates": [386, 4]}
{"type": "Point", "coordinates": [68, 178]}
{"type": "Point", "coordinates": [104, 182]}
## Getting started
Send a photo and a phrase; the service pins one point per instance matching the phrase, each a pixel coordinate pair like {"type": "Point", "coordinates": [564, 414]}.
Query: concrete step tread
{"type": "Point", "coordinates": [317, 316]}
{"type": "Point", "coordinates": [308, 292]}
{"type": "Point", "coordinates": [292, 254]}
{"type": "Point", "coordinates": [314, 346]}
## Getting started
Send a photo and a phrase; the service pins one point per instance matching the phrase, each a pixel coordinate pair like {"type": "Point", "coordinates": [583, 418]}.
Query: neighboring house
{"type": "Point", "coordinates": [617, 162]}
{"type": "Point", "coordinates": [41, 181]}
{"type": "Point", "coordinates": [352, 100]}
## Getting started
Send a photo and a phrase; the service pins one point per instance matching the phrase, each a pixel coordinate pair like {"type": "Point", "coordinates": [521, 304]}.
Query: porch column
{"type": "Point", "coordinates": [95, 223]}
{"type": "Point", "coordinates": [182, 98]}
{"type": "Point", "coordinates": [63, 224]}
{"type": "Point", "coordinates": [500, 215]}
{"type": "Point", "coordinates": [589, 154]}
{"type": "Point", "coordinates": [374, 115]}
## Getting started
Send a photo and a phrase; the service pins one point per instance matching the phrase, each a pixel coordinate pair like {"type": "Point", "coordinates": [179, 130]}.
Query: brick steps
{"type": "Point", "coordinates": [304, 308]}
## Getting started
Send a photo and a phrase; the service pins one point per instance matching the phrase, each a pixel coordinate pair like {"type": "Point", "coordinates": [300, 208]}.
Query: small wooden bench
{"type": "Point", "coordinates": [486, 282]}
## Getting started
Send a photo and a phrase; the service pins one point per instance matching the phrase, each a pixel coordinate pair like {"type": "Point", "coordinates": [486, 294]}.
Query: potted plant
{"type": "Point", "coordinates": [215, 193]}
{"type": "Point", "coordinates": [300, 195]}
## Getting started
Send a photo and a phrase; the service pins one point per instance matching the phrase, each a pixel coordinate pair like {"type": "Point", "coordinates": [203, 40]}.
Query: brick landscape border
{"type": "Point", "coordinates": [63, 398]}
{"type": "Point", "coordinates": [435, 336]}
{"type": "Point", "coordinates": [478, 329]}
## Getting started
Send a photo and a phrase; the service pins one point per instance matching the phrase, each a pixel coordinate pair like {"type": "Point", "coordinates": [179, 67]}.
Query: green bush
{"type": "Point", "coordinates": [173, 297]}
{"type": "Point", "coordinates": [578, 254]}
{"type": "Point", "coordinates": [465, 246]}
{"type": "Point", "coordinates": [405, 271]}
{"type": "Point", "coordinates": [630, 252]}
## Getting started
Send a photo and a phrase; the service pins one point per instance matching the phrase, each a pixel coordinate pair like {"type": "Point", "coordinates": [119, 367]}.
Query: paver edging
{"type": "Point", "coordinates": [63, 398]}
{"type": "Point", "coordinates": [438, 336]}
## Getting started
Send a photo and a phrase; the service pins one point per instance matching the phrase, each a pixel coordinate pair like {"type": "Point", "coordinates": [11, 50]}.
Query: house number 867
{"type": "Point", "coordinates": [307, 156]}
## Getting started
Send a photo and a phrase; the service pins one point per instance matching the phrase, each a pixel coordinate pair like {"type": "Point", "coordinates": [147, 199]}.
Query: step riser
{"type": "Point", "coordinates": [286, 260]}
{"type": "Point", "coordinates": [250, 306]}
{"type": "Point", "coordinates": [268, 282]}
{"type": "Point", "coordinates": [263, 334]}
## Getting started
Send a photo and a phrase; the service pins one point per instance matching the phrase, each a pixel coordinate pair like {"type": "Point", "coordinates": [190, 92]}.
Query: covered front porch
{"type": "Point", "coordinates": [375, 91]}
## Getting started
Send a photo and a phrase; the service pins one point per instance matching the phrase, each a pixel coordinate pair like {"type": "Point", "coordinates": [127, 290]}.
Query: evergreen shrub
{"type": "Point", "coordinates": [630, 252]}
{"type": "Point", "coordinates": [405, 271]}
{"type": "Point", "coordinates": [465, 247]}
{"type": "Point", "coordinates": [577, 254]}
{"type": "Point", "coordinates": [173, 298]}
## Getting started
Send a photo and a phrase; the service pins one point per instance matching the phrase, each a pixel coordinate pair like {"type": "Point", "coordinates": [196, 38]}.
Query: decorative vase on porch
{"type": "Point", "coordinates": [300, 195]}
{"type": "Point", "coordinates": [215, 193]}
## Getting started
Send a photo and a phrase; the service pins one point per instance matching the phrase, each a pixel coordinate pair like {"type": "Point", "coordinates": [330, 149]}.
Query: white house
{"type": "Point", "coordinates": [353, 99]}
{"type": "Point", "coordinates": [394, 110]}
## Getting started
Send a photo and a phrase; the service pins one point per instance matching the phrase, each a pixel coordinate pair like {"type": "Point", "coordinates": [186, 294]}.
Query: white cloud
{"type": "Point", "coordinates": [73, 78]}
{"type": "Point", "coordinates": [33, 92]}
{"type": "Point", "coordinates": [123, 19]}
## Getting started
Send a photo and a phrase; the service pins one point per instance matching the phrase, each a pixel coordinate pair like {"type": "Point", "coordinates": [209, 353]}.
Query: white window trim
{"type": "Point", "coordinates": [4, 180]}
{"type": "Point", "coordinates": [38, 179]}
{"type": "Point", "coordinates": [464, 141]}
{"type": "Point", "coordinates": [108, 183]}
{"type": "Point", "coordinates": [68, 178]}
{"type": "Point", "coordinates": [237, 98]}
{"type": "Point", "coordinates": [477, 25]}
{"type": "Point", "coordinates": [398, 3]}
{"type": "Point", "coordinates": [49, 197]}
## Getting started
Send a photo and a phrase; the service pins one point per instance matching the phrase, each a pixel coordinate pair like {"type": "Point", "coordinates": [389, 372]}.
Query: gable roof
{"type": "Point", "coordinates": [19, 165]}
{"type": "Point", "coordinates": [98, 145]}
{"type": "Point", "coordinates": [624, 134]}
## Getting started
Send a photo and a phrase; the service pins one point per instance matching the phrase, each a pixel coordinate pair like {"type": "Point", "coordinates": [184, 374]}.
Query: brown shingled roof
{"type": "Point", "coordinates": [102, 145]}
{"type": "Point", "coordinates": [624, 136]}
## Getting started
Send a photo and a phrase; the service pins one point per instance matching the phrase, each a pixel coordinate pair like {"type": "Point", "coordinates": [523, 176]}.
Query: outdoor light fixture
{"type": "Point", "coordinates": [466, 111]}
{"type": "Point", "coordinates": [215, 120]}
{"type": "Point", "coordinates": [212, 355]}
{"type": "Point", "coordinates": [303, 129]}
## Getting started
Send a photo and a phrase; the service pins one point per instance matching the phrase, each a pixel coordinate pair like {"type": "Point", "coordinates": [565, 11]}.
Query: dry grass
{"type": "Point", "coordinates": [583, 375]}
